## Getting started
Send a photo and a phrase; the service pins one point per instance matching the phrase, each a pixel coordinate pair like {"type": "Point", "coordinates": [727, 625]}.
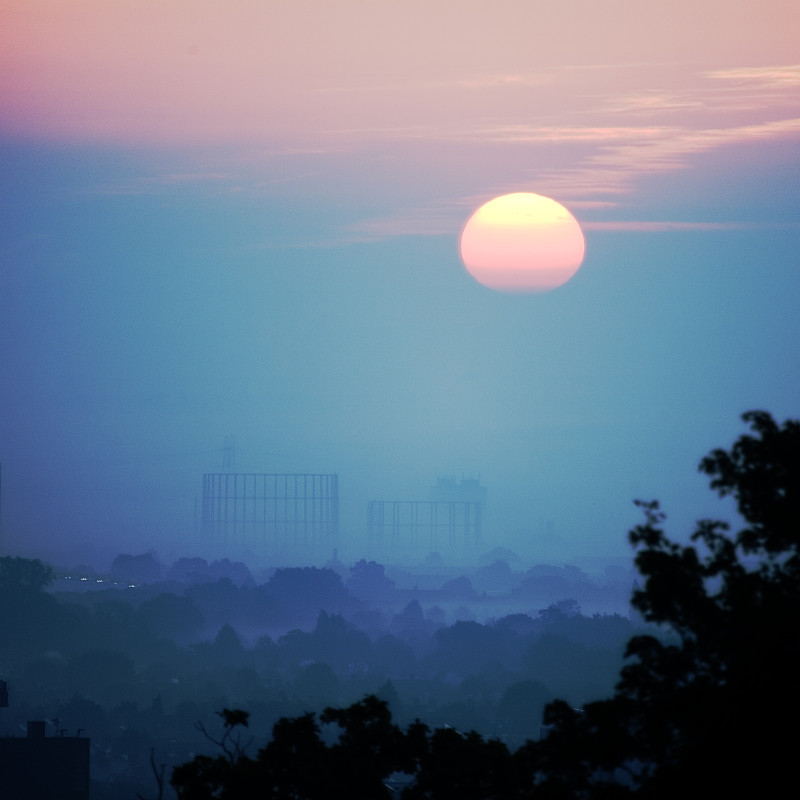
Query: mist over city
{"type": "Point", "coordinates": [398, 400]}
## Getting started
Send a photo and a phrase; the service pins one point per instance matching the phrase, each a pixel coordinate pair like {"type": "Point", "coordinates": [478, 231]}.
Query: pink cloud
{"type": "Point", "coordinates": [246, 70]}
{"type": "Point", "coordinates": [266, 80]}
{"type": "Point", "coordinates": [667, 226]}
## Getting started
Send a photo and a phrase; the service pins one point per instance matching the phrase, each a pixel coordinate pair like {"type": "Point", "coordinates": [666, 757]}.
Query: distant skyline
{"type": "Point", "coordinates": [242, 219]}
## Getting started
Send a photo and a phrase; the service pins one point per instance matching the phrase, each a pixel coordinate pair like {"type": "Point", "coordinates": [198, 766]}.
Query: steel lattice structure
{"type": "Point", "coordinates": [411, 524]}
{"type": "Point", "coordinates": [271, 512]}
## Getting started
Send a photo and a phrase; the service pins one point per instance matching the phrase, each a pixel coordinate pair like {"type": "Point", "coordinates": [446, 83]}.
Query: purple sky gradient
{"type": "Point", "coordinates": [243, 218]}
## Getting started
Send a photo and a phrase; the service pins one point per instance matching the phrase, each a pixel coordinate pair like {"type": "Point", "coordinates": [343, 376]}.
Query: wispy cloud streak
{"type": "Point", "coordinates": [667, 226]}
{"type": "Point", "coordinates": [613, 169]}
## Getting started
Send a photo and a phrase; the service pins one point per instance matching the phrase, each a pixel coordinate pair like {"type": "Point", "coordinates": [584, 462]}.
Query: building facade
{"type": "Point", "coordinates": [39, 766]}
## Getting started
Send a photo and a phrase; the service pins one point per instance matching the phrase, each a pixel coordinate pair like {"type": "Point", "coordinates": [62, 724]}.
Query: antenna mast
{"type": "Point", "coordinates": [229, 454]}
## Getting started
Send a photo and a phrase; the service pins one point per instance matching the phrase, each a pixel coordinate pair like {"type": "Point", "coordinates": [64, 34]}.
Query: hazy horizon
{"type": "Point", "coordinates": [244, 222]}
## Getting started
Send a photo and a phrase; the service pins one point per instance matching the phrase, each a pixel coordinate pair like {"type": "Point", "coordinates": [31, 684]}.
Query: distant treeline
{"type": "Point", "coordinates": [693, 691]}
{"type": "Point", "coordinates": [706, 713]}
{"type": "Point", "coordinates": [137, 665]}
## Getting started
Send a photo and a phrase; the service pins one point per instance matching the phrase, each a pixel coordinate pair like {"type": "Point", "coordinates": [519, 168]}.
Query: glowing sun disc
{"type": "Point", "coordinates": [522, 242]}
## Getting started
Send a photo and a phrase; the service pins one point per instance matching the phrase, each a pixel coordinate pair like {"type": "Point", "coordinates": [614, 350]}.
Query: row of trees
{"type": "Point", "coordinates": [134, 671]}
{"type": "Point", "coordinates": [710, 711]}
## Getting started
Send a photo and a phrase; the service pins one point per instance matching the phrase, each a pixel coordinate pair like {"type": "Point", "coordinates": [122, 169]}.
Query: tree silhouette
{"type": "Point", "coordinates": [24, 575]}
{"type": "Point", "coordinates": [703, 708]}
{"type": "Point", "coordinates": [707, 709]}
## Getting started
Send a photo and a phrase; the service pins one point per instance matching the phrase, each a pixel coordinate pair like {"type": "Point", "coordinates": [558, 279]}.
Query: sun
{"type": "Point", "coordinates": [522, 242]}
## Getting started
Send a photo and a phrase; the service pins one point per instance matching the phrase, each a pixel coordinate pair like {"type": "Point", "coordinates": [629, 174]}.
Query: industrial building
{"type": "Point", "coordinates": [451, 520]}
{"type": "Point", "coordinates": [270, 514]}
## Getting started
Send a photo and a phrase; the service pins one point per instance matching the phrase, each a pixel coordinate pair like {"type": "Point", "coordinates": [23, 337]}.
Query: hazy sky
{"type": "Point", "coordinates": [242, 218]}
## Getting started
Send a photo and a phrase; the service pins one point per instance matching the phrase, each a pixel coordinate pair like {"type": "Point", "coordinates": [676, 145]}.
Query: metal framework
{"type": "Point", "coordinates": [271, 512]}
{"type": "Point", "coordinates": [404, 524]}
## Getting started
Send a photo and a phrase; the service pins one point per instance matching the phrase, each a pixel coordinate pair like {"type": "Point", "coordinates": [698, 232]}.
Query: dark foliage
{"type": "Point", "coordinates": [709, 710]}
{"type": "Point", "coordinates": [24, 575]}
{"type": "Point", "coordinates": [142, 568]}
{"type": "Point", "coordinates": [702, 710]}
